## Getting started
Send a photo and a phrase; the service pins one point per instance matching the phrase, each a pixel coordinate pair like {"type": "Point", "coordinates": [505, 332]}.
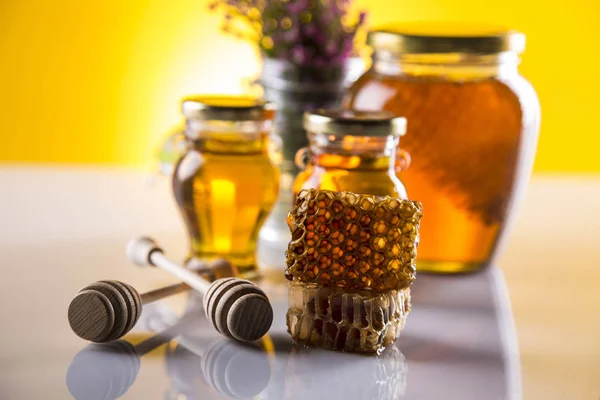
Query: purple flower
{"type": "Point", "coordinates": [319, 62]}
{"type": "Point", "coordinates": [327, 17]}
{"type": "Point", "coordinates": [331, 48]}
{"type": "Point", "coordinates": [325, 40]}
{"type": "Point", "coordinates": [310, 29]}
{"type": "Point", "coordinates": [297, 6]}
{"type": "Point", "coordinates": [291, 35]}
{"type": "Point", "coordinates": [319, 37]}
{"type": "Point", "coordinates": [299, 54]}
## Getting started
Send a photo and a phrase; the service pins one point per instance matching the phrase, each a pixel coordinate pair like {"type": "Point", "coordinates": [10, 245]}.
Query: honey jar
{"type": "Point", "coordinates": [226, 183]}
{"type": "Point", "coordinates": [472, 133]}
{"type": "Point", "coordinates": [352, 150]}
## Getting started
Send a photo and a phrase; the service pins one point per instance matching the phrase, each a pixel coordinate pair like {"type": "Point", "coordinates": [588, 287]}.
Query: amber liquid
{"type": "Point", "coordinates": [465, 141]}
{"type": "Point", "coordinates": [353, 173]}
{"type": "Point", "coordinates": [225, 187]}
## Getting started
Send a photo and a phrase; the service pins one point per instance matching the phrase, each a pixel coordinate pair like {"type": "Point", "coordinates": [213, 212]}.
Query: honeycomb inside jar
{"type": "Point", "coordinates": [336, 319]}
{"type": "Point", "coordinates": [353, 241]}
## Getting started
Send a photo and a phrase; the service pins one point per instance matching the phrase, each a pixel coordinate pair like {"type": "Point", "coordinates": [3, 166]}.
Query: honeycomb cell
{"type": "Point", "coordinates": [324, 246]}
{"type": "Point", "coordinates": [379, 227]}
{"type": "Point", "coordinates": [323, 201]}
{"type": "Point", "coordinates": [310, 238]}
{"type": "Point", "coordinates": [330, 318]}
{"type": "Point", "coordinates": [380, 212]}
{"type": "Point", "coordinates": [337, 269]}
{"type": "Point", "coordinates": [324, 230]}
{"type": "Point", "coordinates": [366, 203]}
{"type": "Point", "coordinates": [350, 214]}
{"type": "Point", "coordinates": [351, 245]}
{"type": "Point", "coordinates": [298, 234]}
{"type": "Point", "coordinates": [394, 234]}
{"type": "Point", "coordinates": [378, 259]}
{"type": "Point", "coordinates": [337, 224]}
{"type": "Point", "coordinates": [351, 198]}
{"type": "Point", "coordinates": [323, 215]}
{"type": "Point", "coordinates": [379, 243]}
{"type": "Point", "coordinates": [364, 236]}
{"type": "Point", "coordinates": [338, 238]}
{"type": "Point", "coordinates": [365, 252]}
{"type": "Point", "coordinates": [337, 253]}
{"type": "Point", "coordinates": [310, 224]}
{"type": "Point", "coordinates": [337, 207]}
{"type": "Point", "coordinates": [325, 262]}
{"type": "Point", "coordinates": [394, 251]}
{"type": "Point", "coordinates": [352, 230]}
{"type": "Point", "coordinates": [311, 207]}
{"type": "Point", "coordinates": [364, 220]}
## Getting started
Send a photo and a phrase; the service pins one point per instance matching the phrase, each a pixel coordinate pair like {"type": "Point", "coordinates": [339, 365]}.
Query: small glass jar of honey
{"type": "Point", "coordinates": [351, 150]}
{"type": "Point", "coordinates": [226, 183]}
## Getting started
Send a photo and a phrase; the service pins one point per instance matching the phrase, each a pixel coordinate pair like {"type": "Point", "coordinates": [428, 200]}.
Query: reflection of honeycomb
{"type": "Point", "coordinates": [347, 377]}
{"type": "Point", "coordinates": [353, 241]}
{"type": "Point", "coordinates": [330, 318]}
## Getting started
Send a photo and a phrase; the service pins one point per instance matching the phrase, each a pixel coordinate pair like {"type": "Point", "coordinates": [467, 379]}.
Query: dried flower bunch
{"type": "Point", "coordinates": [316, 33]}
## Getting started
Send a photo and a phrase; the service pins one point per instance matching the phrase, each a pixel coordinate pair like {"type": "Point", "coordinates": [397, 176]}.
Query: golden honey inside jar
{"type": "Point", "coordinates": [473, 127]}
{"type": "Point", "coordinates": [226, 183]}
{"type": "Point", "coordinates": [352, 150]}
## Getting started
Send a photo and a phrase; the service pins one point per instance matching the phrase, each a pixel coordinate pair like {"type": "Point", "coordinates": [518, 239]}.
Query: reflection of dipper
{"type": "Point", "coordinates": [107, 370]}
{"type": "Point", "coordinates": [233, 369]}
{"type": "Point", "coordinates": [103, 371]}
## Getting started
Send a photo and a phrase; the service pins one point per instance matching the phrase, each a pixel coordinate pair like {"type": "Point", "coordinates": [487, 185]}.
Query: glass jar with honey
{"type": "Point", "coordinates": [472, 135]}
{"type": "Point", "coordinates": [351, 150]}
{"type": "Point", "coordinates": [226, 183]}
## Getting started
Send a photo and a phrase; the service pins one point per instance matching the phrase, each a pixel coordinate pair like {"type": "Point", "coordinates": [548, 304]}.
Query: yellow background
{"type": "Point", "coordinates": [99, 81]}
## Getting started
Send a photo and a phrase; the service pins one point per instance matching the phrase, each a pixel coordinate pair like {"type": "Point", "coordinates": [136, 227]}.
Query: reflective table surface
{"type": "Point", "coordinates": [459, 341]}
{"type": "Point", "coordinates": [457, 345]}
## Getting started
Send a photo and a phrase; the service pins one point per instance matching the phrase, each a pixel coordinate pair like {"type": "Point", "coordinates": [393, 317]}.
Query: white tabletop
{"type": "Point", "coordinates": [63, 228]}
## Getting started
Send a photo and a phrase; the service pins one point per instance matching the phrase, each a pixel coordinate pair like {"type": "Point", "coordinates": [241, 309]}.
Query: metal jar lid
{"type": "Point", "coordinates": [342, 122]}
{"type": "Point", "coordinates": [444, 38]}
{"type": "Point", "coordinates": [226, 108]}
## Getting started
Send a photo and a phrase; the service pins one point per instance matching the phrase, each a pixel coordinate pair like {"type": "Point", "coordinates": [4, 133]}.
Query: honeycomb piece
{"type": "Point", "coordinates": [353, 241]}
{"type": "Point", "coordinates": [363, 322]}
{"type": "Point", "coordinates": [321, 375]}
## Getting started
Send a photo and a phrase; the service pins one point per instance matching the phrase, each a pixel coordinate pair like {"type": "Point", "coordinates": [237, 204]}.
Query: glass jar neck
{"type": "Point", "coordinates": [452, 66]}
{"type": "Point", "coordinates": [352, 152]}
{"type": "Point", "coordinates": [242, 137]}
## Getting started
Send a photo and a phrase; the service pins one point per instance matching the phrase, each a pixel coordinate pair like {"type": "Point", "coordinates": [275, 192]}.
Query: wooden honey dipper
{"type": "Point", "coordinates": [236, 308]}
{"type": "Point", "coordinates": [107, 310]}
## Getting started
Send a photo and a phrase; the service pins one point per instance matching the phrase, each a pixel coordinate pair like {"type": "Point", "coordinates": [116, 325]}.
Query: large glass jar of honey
{"type": "Point", "coordinates": [353, 151]}
{"type": "Point", "coordinates": [472, 132]}
{"type": "Point", "coordinates": [226, 184]}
